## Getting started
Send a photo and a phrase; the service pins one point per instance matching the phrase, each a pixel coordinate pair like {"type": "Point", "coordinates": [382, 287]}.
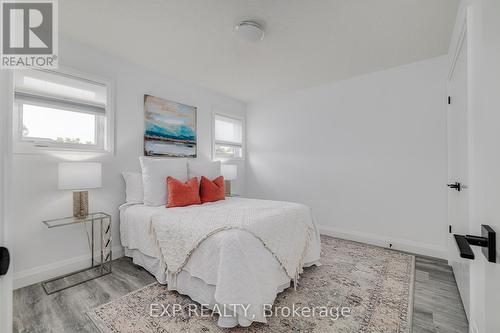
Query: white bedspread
{"type": "Point", "coordinates": [242, 270]}
{"type": "Point", "coordinates": [284, 228]}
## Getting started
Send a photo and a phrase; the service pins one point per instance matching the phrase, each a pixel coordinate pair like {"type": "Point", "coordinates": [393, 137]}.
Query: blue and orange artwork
{"type": "Point", "coordinates": [169, 128]}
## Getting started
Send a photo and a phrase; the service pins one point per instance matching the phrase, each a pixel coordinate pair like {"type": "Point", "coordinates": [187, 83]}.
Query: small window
{"type": "Point", "coordinates": [228, 138]}
{"type": "Point", "coordinates": [61, 111]}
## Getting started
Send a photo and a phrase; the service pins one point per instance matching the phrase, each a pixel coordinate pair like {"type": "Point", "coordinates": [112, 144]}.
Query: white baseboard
{"type": "Point", "coordinates": [41, 273]}
{"type": "Point", "coordinates": [384, 241]}
{"type": "Point", "coordinates": [44, 272]}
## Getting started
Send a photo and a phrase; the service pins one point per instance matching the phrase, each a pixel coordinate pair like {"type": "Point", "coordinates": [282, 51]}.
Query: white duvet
{"type": "Point", "coordinates": [242, 270]}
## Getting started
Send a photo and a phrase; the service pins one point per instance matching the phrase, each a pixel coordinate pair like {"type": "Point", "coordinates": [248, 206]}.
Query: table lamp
{"type": "Point", "coordinates": [79, 177]}
{"type": "Point", "coordinates": [229, 172]}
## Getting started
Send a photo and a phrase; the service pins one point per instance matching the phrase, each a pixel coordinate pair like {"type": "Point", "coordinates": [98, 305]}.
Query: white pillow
{"type": "Point", "coordinates": [154, 177]}
{"type": "Point", "coordinates": [211, 170]}
{"type": "Point", "coordinates": [133, 187]}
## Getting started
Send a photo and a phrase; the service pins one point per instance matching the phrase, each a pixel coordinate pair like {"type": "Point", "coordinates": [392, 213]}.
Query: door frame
{"type": "Point", "coordinates": [6, 282]}
{"type": "Point", "coordinates": [462, 33]}
{"type": "Point", "coordinates": [456, 45]}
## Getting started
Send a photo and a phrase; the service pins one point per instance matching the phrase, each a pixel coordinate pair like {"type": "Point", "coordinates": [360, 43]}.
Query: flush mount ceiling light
{"type": "Point", "coordinates": [250, 30]}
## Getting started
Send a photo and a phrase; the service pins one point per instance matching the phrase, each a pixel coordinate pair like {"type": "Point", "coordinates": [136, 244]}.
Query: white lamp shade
{"type": "Point", "coordinates": [229, 171]}
{"type": "Point", "coordinates": [79, 175]}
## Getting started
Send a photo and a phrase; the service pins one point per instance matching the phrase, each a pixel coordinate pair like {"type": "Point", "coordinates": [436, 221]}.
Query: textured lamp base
{"type": "Point", "coordinates": [80, 204]}
{"type": "Point", "coordinates": [227, 187]}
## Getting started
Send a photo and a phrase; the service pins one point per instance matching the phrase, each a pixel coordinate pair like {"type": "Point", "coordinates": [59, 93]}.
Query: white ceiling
{"type": "Point", "coordinates": [308, 42]}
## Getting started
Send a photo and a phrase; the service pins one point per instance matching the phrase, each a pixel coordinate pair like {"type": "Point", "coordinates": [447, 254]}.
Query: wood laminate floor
{"type": "Point", "coordinates": [437, 304]}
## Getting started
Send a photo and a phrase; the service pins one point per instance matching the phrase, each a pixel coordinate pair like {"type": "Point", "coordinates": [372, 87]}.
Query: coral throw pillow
{"type": "Point", "coordinates": [182, 194]}
{"type": "Point", "coordinates": [212, 190]}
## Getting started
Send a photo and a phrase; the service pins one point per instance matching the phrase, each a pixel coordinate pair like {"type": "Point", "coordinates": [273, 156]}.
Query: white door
{"type": "Point", "coordinates": [458, 170]}
{"type": "Point", "coordinates": [5, 280]}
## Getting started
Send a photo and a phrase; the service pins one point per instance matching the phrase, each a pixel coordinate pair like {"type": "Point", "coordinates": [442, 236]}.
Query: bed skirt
{"type": "Point", "coordinates": [194, 287]}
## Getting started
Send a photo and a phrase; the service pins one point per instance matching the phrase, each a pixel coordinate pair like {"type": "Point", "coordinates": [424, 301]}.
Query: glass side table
{"type": "Point", "coordinates": [100, 265]}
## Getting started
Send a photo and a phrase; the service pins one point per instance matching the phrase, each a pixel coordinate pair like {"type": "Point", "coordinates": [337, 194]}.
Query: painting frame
{"type": "Point", "coordinates": [170, 128]}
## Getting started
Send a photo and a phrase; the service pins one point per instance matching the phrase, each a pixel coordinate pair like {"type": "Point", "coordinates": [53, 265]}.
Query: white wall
{"type": "Point", "coordinates": [484, 108]}
{"type": "Point", "coordinates": [40, 252]}
{"type": "Point", "coordinates": [368, 154]}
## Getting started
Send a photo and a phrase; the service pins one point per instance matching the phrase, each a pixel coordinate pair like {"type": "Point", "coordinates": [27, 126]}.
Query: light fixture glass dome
{"type": "Point", "coordinates": [250, 30]}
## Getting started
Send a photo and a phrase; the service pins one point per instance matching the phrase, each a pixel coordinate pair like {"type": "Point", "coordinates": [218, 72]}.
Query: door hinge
{"type": "Point", "coordinates": [449, 229]}
{"type": "Point", "coordinates": [449, 100]}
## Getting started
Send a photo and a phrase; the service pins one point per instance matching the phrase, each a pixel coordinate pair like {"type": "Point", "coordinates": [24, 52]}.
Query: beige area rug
{"type": "Point", "coordinates": [375, 284]}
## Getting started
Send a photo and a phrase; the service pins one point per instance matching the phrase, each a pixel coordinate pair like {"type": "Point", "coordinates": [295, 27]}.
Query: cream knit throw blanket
{"type": "Point", "coordinates": [284, 228]}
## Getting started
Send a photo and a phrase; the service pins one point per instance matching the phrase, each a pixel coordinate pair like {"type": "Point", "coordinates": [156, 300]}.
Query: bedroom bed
{"type": "Point", "coordinates": [228, 267]}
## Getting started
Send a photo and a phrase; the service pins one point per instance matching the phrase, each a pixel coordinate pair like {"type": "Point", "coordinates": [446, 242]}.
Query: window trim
{"type": "Point", "coordinates": [105, 128]}
{"type": "Point", "coordinates": [216, 113]}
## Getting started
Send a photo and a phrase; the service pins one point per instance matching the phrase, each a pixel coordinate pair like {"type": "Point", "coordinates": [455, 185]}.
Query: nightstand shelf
{"type": "Point", "coordinates": [99, 266]}
{"type": "Point", "coordinates": [73, 220]}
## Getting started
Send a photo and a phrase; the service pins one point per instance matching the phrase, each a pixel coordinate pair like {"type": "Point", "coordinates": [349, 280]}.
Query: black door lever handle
{"type": "Point", "coordinates": [457, 186]}
{"type": "Point", "coordinates": [4, 260]}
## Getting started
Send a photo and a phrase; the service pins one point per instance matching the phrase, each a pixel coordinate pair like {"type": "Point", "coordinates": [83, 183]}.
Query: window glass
{"type": "Point", "coordinates": [58, 125]}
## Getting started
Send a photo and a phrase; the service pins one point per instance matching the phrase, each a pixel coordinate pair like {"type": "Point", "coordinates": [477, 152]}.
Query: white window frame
{"type": "Point", "coordinates": [104, 127]}
{"type": "Point", "coordinates": [215, 142]}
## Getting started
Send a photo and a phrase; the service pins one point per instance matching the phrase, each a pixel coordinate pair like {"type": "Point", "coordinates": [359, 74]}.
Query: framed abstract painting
{"type": "Point", "coordinates": [169, 128]}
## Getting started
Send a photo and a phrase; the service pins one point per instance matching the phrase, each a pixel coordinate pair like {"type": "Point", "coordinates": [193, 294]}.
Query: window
{"type": "Point", "coordinates": [55, 110]}
{"type": "Point", "coordinates": [228, 138]}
